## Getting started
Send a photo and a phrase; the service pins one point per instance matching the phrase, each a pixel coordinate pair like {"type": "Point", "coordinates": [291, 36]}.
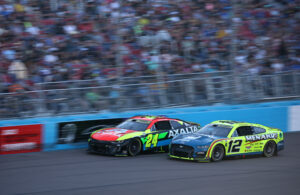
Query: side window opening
{"type": "Point", "coordinates": [245, 130]}
{"type": "Point", "coordinates": [163, 125]}
{"type": "Point", "coordinates": [258, 130]}
{"type": "Point", "coordinates": [235, 134]}
{"type": "Point", "coordinates": [177, 125]}
{"type": "Point", "coordinates": [153, 128]}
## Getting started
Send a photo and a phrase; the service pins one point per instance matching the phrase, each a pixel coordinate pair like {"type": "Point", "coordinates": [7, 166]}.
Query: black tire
{"type": "Point", "coordinates": [218, 153]}
{"type": "Point", "coordinates": [270, 149]}
{"type": "Point", "coordinates": [134, 147]}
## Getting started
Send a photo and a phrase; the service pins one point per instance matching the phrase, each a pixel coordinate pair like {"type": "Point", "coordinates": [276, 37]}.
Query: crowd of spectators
{"type": "Point", "coordinates": [59, 40]}
{"type": "Point", "coordinates": [107, 40]}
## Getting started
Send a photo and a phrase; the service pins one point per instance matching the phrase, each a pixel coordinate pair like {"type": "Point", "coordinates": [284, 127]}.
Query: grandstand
{"type": "Point", "coordinates": [77, 56]}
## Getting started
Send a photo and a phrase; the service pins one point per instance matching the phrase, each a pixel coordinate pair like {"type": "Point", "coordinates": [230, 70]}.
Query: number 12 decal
{"type": "Point", "coordinates": [235, 147]}
{"type": "Point", "coordinates": [151, 139]}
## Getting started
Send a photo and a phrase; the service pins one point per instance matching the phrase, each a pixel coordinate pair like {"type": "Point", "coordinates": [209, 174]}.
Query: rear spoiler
{"type": "Point", "coordinates": [275, 129]}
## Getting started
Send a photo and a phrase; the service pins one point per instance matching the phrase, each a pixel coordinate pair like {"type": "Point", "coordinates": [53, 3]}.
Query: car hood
{"type": "Point", "coordinates": [194, 139]}
{"type": "Point", "coordinates": [111, 134]}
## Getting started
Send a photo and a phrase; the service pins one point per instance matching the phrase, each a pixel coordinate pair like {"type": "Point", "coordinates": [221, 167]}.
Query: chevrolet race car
{"type": "Point", "coordinates": [137, 134]}
{"type": "Point", "coordinates": [224, 138]}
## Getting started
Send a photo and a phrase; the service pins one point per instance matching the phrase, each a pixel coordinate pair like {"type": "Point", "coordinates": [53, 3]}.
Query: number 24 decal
{"type": "Point", "coordinates": [235, 147]}
{"type": "Point", "coordinates": [151, 139]}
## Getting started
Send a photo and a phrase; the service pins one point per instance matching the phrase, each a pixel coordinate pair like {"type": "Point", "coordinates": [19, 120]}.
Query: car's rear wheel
{"type": "Point", "coordinates": [134, 147]}
{"type": "Point", "coordinates": [218, 153]}
{"type": "Point", "coordinates": [269, 149]}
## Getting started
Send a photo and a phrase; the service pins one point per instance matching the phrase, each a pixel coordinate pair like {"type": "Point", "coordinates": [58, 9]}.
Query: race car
{"type": "Point", "coordinates": [137, 134]}
{"type": "Point", "coordinates": [224, 138]}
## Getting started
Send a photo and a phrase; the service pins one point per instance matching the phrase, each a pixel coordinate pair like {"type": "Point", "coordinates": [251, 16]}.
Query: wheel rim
{"type": "Point", "coordinates": [270, 149]}
{"type": "Point", "coordinates": [134, 147]}
{"type": "Point", "coordinates": [217, 153]}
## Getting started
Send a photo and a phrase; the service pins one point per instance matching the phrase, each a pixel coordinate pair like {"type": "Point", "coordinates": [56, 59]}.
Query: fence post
{"type": "Point", "coordinates": [276, 80]}
{"type": "Point", "coordinates": [209, 89]}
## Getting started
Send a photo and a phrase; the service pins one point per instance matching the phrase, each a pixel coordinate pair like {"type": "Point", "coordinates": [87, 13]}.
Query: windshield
{"type": "Point", "coordinates": [215, 130]}
{"type": "Point", "coordinates": [134, 124]}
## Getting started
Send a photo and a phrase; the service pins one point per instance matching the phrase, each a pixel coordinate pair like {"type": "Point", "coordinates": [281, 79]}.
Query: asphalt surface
{"type": "Point", "coordinates": [76, 172]}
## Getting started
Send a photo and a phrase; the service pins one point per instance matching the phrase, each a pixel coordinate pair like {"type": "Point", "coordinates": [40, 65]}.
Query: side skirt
{"type": "Point", "coordinates": [241, 154]}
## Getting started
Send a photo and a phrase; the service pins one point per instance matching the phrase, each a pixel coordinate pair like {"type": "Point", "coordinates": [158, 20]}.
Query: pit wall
{"type": "Point", "coordinates": [284, 115]}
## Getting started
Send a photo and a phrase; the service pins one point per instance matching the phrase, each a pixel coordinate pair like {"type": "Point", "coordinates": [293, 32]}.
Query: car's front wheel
{"type": "Point", "coordinates": [269, 149]}
{"type": "Point", "coordinates": [134, 147]}
{"type": "Point", "coordinates": [218, 153]}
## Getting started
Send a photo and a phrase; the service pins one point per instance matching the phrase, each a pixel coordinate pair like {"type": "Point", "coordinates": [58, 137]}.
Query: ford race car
{"type": "Point", "coordinates": [137, 134]}
{"type": "Point", "coordinates": [227, 138]}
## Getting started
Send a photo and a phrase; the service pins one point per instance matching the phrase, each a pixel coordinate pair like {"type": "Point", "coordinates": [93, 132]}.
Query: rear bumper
{"type": "Point", "coordinates": [280, 145]}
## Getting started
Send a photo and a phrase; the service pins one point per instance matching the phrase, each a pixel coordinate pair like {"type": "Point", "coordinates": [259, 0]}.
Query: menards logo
{"type": "Point", "coordinates": [261, 137]}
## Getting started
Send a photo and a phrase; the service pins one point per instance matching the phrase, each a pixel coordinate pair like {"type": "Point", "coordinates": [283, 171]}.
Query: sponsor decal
{"type": "Point", "coordinates": [248, 147]}
{"type": "Point", "coordinates": [175, 132]}
{"type": "Point", "coordinates": [18, 146]}
{"type": "Point", "coordinates": [10, 132]}
{"type": "Point", "coordinates": [115, 132]}
{"type": "Point", "coordinates": [20, 139]}
{"type": "Point", "coordinates": [261, 137]}
{"type": "Point", "coordinates": [79, 131]}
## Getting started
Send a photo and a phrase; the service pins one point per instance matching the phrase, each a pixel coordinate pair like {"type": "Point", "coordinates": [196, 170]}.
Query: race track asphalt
{"type": "Point", "coordinates": [76, 172]}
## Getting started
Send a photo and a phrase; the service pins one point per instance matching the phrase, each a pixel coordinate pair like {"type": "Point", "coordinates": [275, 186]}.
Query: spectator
{"type": "Point", "coordinates": [18, 70]}
{"type": "Point", "coordinates": [94, 99]}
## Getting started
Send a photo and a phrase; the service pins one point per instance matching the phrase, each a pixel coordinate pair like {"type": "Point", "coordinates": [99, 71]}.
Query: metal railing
{"type": "Point", "coordinates": [123, 80]}
{"type": "Point", "coordinates": [139, 93]}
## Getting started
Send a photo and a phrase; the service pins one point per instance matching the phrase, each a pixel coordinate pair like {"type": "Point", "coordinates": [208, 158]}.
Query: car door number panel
{"type": "Point", "coordinates": [234, 146]}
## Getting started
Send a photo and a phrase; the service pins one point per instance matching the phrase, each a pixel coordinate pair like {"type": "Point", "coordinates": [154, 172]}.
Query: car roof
{"type": "Point", "coordinates": [149, 117]}
{"type": "Point", "coordinates": [231, 122]}
{"type": "Point", "coordinates": [235, 123]}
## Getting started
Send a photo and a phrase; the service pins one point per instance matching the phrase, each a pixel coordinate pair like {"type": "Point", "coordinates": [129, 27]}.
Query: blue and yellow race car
{"type": "Point", "coordinates": [224, 138]}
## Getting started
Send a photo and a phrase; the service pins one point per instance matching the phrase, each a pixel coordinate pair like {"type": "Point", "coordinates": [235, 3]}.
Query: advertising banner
{"type": "Point", "coordinates": [294, 118]}
{"type": "Point", "coordinates": [20, 139]}
{"type": "Point", "coordinates": [79, 131]}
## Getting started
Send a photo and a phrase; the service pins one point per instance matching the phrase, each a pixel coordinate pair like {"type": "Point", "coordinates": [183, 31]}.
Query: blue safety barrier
{"type": "Point", "coordinates": [274, 114]}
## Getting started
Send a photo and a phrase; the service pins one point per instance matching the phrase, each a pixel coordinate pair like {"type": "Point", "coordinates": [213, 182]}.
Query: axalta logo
{"type": "Point", "coordinates": [10, 132]}
{"type": "Point", "coordinates": [261, 137]}
{"type": "Point", "coordinates": [175, 132]}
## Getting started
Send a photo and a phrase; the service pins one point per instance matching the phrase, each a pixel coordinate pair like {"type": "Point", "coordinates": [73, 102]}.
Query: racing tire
{"type": "Point", "coordinates": [134, 147]}
{"type": "Point", "coordinates": [218, 153]}
{"type": "Point", "coordinates": [269, 149]}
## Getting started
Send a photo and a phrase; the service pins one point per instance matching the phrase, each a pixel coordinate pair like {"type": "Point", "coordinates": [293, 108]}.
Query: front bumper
{"type": "Point", "coordinates": [107, 147]}
{"type": "Point", "coordinates": [185, 152]}
{"type": "Point", "coordinates": [191, 159]}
